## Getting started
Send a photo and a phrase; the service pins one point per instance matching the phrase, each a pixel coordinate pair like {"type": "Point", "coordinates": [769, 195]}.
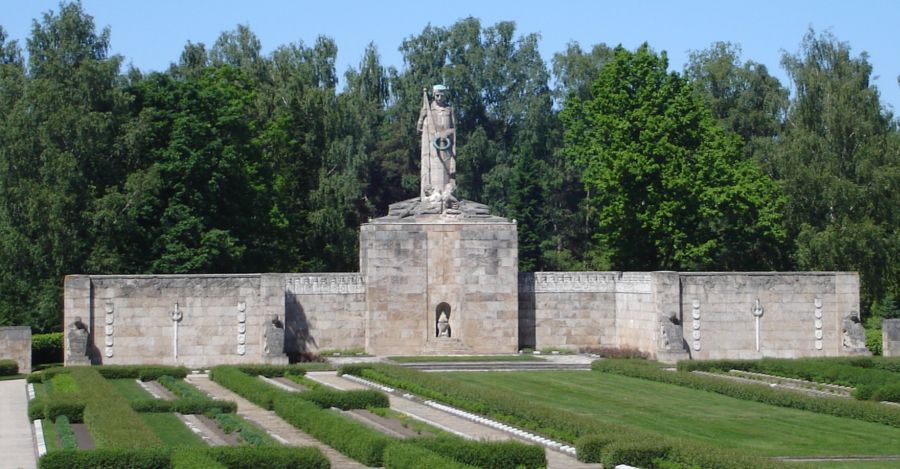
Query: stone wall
{"type": "Point", "coordinates": [15, 344]}
{"type": "Point", "coordinates": [890, 333]}
{"type": "Point", "coordinates": [567, 310]}
{"type": "Point", "coordinates": [324, 312]}
{"type": "Point", "coordinates": [413, 269]}
{"type": "Point", "coordinates": [800, 314]}
{"type": "Point", "coordinates": [190, 320]}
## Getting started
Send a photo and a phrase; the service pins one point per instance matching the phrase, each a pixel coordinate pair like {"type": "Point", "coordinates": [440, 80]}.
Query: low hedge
{"type": "Point", "coordinates": [357, 441]}
{"type": "Point", "coordinates": [181, 388]}
{"type": "Point", "coordinates": [51, 408]}
{"type": "Point", "coordinates": [272, 371]}
{"type": "Point", "coordinates": [486, 454]}
{"type": "Point", "coordinates": [231, 423]}
{"type": "Point", "coordinates": [46, 348]}
{"type": "Point", "coordinates": [46, 374]}
{"type": "Point", "coordinates": [240, 457]}
{"type": "Point", "coordinates": [249, 387]}
{"type": "Point", "coordinates": [195, 460]}
{"type": "Point", "coordinates": [141, 372]}
{"type": "Point", "coordinates": [409, 456]}
{"type": "Point", "coordinates": [184, 406]}
{"type": "Point", "coordinates": [860, 410]}
{"type": "Point", "coordinates": [345, 400]}
{"type": "Point", "coordinates": [634, 453]}
{"type": "Point", "coordinates": [859, 373]}
{"type": "Point", "coordinates": [8, 367]}
{"type": "Point", "coordinates": [135, 458]}
{"type": "Point", "coordinates": [269, 457]}
{"type": "Point", "coordinates": [66, 435]}
{"type": "Point", "coordinates": [71, 408]}
{"type": "Point", "coordinates": [108, 416]}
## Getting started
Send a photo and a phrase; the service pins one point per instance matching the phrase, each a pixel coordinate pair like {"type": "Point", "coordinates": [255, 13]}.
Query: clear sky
{"type": "Point", "coordinates": [151, 34]}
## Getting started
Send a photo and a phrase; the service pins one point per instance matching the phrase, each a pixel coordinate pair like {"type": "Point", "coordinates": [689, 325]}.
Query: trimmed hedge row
{"type": "Point", "coordinates": [195, 460]}
{"type": "Point", "coordinates": [109, 417]}
{"type": "Point", "coordinates": [230, 423]}
{"type": "Point", "coordinates": [486, 454]}
{"type": "Point", "coordinates": [141, 372]}
{"type": "Point", "coordinates": [249, 387]}
{"type": "Point", "coordinates": [357, 441]}
{"type": "Point", "coordinates": [47, 374]}
{"type": "Point", "coordinates": [184, 406]}
{"type": "Point", "coordinates": [180, 388]}
{"type": "Point", "coordinates": [564, 425]}
{"type": "Point", "coordinates": [136, 458]}
{"type": "Point", "coordinates": [409, 456]}
{"type": "Point", "coordinates": [66, 435]}
{"type": "Point", "coordinates": [327, 398]}
{"type": "Point", "coordinates": [51, 408]}
{"type": "Point", "coordinates": [238, 457]}
{"type": "Point", "coordinates": [8, 367]}
{"type": "Point", "coordinates": [860, 410]}
{"type": "Point", "coordinates": [891, 364]}
{"type": "Point", "coordinates": [272, 371]}
{"type": "Point", "coordinates": [866, 380]}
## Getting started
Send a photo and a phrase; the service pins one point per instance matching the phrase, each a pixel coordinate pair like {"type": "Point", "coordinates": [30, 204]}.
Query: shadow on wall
{"type": "Point", "coordinates": [298, 343]}
{"type": "Point", "coordinates": [527, 333]}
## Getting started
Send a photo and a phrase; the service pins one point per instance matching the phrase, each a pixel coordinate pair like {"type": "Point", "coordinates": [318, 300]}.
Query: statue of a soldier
{"type": "Point", "coordinates": [438, 127]}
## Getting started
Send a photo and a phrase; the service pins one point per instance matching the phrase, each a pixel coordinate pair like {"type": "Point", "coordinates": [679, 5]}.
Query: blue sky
{"type": "Point", "coordinates": [151, 34]}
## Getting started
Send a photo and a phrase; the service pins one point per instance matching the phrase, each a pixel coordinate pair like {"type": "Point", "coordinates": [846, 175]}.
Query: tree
{"type": "Point", "coordinates": [667, 185]}
{"type": "Point", "coordinates": [839, 163]}
{"type": "Point", "coordinates": [61, 123]}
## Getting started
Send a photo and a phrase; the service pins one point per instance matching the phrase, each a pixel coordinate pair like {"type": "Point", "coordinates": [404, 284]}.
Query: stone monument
{"type": "Point", "coordinates": [77, 343]}
{"type": "Point", "coordinates": [853, 336]}
{"type": "Point", "coordinates": [434, 254]}
{"type": "Point", "coordinates": [273, 341]}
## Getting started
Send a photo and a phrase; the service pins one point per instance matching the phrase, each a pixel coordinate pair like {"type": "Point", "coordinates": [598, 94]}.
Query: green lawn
{"type": "Point", "coordinates": [467, 358]}
{"type": "Point", "coordinates": [130, 389]}
{"type": "Point", "coordinates": [762, 429]}
{"type": "Point", "coordinates": [171, 430]}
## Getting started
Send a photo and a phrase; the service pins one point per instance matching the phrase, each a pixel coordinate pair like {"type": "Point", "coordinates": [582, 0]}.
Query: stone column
{"type": "Point", "coordinates": [890, 334]}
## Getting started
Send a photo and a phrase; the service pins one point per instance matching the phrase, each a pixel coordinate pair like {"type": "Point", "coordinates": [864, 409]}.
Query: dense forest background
{"type": "Point", "coordinates": [235, 161]}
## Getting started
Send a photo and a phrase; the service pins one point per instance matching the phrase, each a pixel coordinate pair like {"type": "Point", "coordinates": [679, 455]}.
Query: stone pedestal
{"type": "Point", "coordinates": [418, 267]}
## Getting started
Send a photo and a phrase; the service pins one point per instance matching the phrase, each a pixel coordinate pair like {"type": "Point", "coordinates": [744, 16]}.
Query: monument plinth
{"type": "Point", "coordinates": [441, 274]}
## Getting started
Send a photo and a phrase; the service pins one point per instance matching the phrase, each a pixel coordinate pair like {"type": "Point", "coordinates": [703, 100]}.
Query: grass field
{"type": "Point", "coordinates": [171, 430]}
{"type": "Point", "coordinates": [467, 358]}
{"type": "Point", "coordinates": [130, 389]}
{"type": "Point", "coordinates": [762, 429]}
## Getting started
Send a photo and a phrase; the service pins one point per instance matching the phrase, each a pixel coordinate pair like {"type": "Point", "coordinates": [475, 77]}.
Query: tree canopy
{"type": "Point", "coordinates": [236, 160]}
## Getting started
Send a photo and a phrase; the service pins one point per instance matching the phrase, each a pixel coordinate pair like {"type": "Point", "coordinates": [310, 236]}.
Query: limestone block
{"type": "Point", "coordinates": [890, 332]}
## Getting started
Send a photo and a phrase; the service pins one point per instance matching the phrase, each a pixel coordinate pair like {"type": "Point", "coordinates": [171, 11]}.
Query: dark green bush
{"type": "Point", "coordinates": [351, 438]}
{"type": "Point", "coordinates": [861, 373]}
{"type": "Point", "coordinates": [345, 400]}
{"type": "Point", "coordinates": [8, 367]}
{"type": "Point", "coordinates": [69, 407]}
{"type": "Point", "coordinates": [889, 392]}
{"type": "Point", "coordinates": [65, 433]}
{"type": "Point", "coordinates": [141, 372]}
{"type": "Point", "coordinates": [268, 457]}
{"type": "Point", "coordinates": [184, 406]}
{"type": "Point", "coordinates": [109, 417]}
{"type": "Point", "coordinates": [230, 423]}
{"type": "Point", "coordinates": [486, 454]}
{"type": "Point", "coordinates": [409, 456]}
{"type": "Point", "coordinates": [193, 459]}
{"type": "Point", "coordinates": [639, 453]}
{"type": "Point", "coordinates": [149, 458]}
{"type": "Point", "coordinates": [249, 387]}
{"type": "Point", "coordinates": [860, 410]}
{"type": "Point", "coordinates": [46, 348]}
{"type": "Point", "coordinates": [37, 408]}
{"type": "Point", "coordinates": [589, 448]}
{"type": "Point", "coordinates": [272, 371]}
{"type": "Point", "coordinates": [45, 374]}
{"type": "Point", "coordinates": [180, 388]}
